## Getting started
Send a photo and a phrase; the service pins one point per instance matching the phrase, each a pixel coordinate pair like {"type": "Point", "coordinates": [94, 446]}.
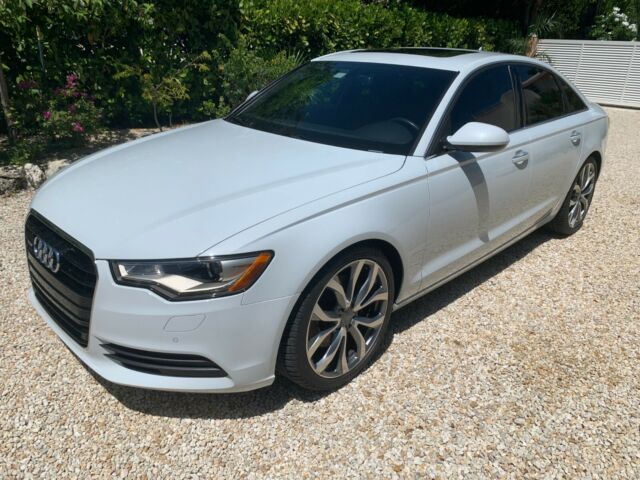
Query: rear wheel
{"type": "Point", "coordinates": [577, 202]}
{"type": "Point", "coordinates": [340, 321]}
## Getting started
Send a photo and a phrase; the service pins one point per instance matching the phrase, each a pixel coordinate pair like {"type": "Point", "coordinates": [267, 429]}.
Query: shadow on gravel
{"type": "Point", "coordinates": [209, 405]}
{"type": "Point", "coordinates": [275, 397]}
{"type": "Point", "coordinates": [449, 292]}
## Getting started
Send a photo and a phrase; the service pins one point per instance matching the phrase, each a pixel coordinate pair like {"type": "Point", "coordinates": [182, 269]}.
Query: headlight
{"type": "Point", "coordinates": [193, 279]}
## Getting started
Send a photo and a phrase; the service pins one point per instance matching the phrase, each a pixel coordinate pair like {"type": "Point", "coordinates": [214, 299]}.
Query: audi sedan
{"type": "Point", "coordinates": [280, 239]}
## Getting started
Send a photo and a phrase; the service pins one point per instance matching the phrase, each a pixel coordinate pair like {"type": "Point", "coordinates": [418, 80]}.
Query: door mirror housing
{"type": "Point", "coordinates": [251, 95]}
{"type": "Point", "coordinates": [478, 137]}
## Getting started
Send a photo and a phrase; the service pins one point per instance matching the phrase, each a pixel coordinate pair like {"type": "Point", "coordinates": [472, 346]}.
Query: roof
{"type": "Point", "coordinates": [453, 59]}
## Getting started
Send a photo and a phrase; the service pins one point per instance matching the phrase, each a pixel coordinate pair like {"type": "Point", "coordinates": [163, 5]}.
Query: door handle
{"type": "Point", "coordinates": [520, 159]}
{"type": "Point", "coordinates": [575, 137]}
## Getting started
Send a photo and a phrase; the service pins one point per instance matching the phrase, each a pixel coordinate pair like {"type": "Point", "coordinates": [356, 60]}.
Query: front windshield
{"type": "Point", "coordinates": [366, 106]}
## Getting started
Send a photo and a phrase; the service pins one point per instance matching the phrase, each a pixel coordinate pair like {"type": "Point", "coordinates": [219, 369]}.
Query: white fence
{"type": "Point", "coordinates": [606, 72]}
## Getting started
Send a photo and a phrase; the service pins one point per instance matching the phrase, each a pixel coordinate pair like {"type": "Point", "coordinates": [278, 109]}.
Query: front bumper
{"type": "Point", "coordinates": [243, 339]}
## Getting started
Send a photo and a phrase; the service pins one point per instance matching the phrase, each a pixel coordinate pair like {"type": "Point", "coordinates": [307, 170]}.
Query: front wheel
{"type": "Point", "coordinates": [340, 321]}
{"type": "Point", "coordinates": [577, 202]}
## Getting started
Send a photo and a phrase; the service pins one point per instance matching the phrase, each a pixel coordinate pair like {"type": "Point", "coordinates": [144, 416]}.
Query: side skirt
{"type": "Point", "coordinates": [546, 218]}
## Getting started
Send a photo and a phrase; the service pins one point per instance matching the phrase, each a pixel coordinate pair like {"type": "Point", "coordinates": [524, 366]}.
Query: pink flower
{"type": "Point", "coordinates": [71, 80]}
{"type": "Point", "coordinates": [46, 115]}
{"type": "Point", "coordinates": [77, 127]}
{"type": "Point", "coordinates": [72, 108]}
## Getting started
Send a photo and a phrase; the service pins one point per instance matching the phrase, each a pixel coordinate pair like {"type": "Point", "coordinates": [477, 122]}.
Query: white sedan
{"type": "Point", "coordinates": [281, 238]}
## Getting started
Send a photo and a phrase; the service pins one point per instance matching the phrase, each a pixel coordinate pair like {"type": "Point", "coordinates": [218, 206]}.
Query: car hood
{"type": "Point", "coordinates": [178, 193]}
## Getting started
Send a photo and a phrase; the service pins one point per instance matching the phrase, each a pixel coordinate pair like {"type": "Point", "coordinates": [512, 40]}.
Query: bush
{"type": "Point", "coordinates": [245, 71]}
{"type": "Point", "coordinates": [70, 115]}
{"type": "Point", "coordinates": [322, 26]}
{"type": "Point", "coordinates": [614, 25]}
{"type": "Point", "coordinates": [64, 117]}
{"type": "Point", "coordinates": [96, 38]}
{"type": "Point", "coordinates": [192, 59]}
{"type": "Point", "coordinates": [22, 151]}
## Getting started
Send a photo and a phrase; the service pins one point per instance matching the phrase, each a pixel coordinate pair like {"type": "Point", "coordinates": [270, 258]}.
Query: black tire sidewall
{"type": "Point", "coordinates": [560, 224]}
{"type": "Point", "coordinates": [296, 366]}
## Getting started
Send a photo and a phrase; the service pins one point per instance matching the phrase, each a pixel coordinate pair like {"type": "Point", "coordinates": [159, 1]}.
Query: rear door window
{"type": "Point", "coordinates": [542, 97]}
{"type": "Point", "coordinates": [573, 103]}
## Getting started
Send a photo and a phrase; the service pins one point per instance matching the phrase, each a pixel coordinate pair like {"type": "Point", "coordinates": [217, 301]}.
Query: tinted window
{"type": "Point", "coordinates": [573, 102]}
{"type": "Point", "coordinates": [489, 98]}
{"type": "Point", "coordinates": [359, 105]}
{"type": "Point", "coordinates": [542, 97]}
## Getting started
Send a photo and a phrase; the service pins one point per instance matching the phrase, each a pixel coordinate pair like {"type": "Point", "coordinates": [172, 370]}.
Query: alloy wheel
{"type": "Point", "coordinates": [347, 318]}
{"type": "Point", "coordinates": [581, 194]}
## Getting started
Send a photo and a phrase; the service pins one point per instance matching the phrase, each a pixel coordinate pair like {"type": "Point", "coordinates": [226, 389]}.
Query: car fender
{"type": "Point", "coordinates": [393, 209]}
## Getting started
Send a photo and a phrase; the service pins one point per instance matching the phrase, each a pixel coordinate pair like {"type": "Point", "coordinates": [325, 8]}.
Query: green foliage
{"type": "Point", "coordinates": [322, 26]}
{"type": "Point", "coordinates": [584, 18]}
{"type": "Point", "coordinates": [614, 25]}
{"type": "Point", "coordinates": [70, 114]}
{"type": "Point", "coordinates": [44, 119]}
{"type": "Point", "coordinates": [158, 61]}
{"type": "Point", "coordinates": [22, 151]}
{"type": "Point", "coordinates": [573, 18]}
{"type": "Point", "coordinates": [98, 38]}
{"type": "Point", "coordinates": [163, 82]}
{"type": "Point", "coordinates": [245, 71]}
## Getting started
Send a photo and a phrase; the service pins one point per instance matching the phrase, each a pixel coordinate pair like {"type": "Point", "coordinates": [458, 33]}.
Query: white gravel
{"type": "Point", "coordinates": [526, 367]}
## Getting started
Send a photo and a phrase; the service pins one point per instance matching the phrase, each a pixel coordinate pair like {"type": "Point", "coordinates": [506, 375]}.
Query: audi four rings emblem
{"type": "Point", "coordinates": [46, 254]}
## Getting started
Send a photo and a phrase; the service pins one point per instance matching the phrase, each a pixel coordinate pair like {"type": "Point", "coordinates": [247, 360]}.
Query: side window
{"type": "Point", "coordinates": [489, 98]}
{"type": "Point", "coordinates": [542, 97]}
{"type": "Point", "coordinates": [574, 102]}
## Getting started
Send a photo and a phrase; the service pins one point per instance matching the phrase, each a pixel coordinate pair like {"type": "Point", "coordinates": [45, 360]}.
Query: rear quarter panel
{"type": "Point", "coordinates": [594, 126]}
{"type": "Point", "coordinates": [594, 137]}
{"type": "Point", "coordinates": [596, 131]}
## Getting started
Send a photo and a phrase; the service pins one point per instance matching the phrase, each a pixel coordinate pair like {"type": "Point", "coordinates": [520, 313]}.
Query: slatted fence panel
{"type": "Point", "coordinates": [606, 72]}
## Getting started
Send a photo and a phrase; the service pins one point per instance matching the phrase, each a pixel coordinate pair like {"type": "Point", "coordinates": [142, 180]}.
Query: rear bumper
{"type": "Point", "coordinates": [242, 339]}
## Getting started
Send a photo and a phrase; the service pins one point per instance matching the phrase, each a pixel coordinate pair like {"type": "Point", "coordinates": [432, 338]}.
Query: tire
{"type": "Point", "coordinates": [571, 215]}
{"type": "Point", "coordinates": [320, 349]}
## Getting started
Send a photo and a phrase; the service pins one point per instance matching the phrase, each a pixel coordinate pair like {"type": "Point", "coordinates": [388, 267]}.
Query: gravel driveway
{"type": "Point", "coordinates": [526, 367]}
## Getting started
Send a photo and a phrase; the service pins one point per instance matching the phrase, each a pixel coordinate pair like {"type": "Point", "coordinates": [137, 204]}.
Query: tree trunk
{"type": "Point", "coordinates": [5, 102]}
{"type": "Point", "coordinates": [530, 12]}
{"type": "Point", "coordinates": [155, 115]}
{"type": "Point", "coordinates": [532, 45]}
{"type": "Point", "coordinates": [40, 54]}
{"type": "Point", "coordinates": [535, 9]}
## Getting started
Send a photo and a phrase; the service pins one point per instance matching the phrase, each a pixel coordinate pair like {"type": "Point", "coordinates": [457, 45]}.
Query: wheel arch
{"type": "Point", "coordinates": [387, 248]}
{"type": "Point", "coordinates": [597, 156]}
{"type": "Point", "coordinates": [390, 252]}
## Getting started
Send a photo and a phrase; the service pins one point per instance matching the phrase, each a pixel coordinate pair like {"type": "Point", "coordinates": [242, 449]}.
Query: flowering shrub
{"type": "Point", "coordinates": [66, 116]}
{"type": "Point", "coordinates": [70, 114]}
{"type": "Point", "coordinates": [136, 52]}
{"type": "Point", "coordinates": [614, 25]}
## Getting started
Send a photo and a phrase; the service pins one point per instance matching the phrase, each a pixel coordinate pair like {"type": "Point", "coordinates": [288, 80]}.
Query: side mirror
{"type": "Point", "coordinates": [251, 95]}
{"type": "Point", "coordinates": [478, 137]}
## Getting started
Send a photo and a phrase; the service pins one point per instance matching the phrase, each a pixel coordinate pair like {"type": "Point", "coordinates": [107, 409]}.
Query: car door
{"type": "Point", "coordinates": [477, 200]}
{"type": "Point", "coordinates": [552, 119]}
